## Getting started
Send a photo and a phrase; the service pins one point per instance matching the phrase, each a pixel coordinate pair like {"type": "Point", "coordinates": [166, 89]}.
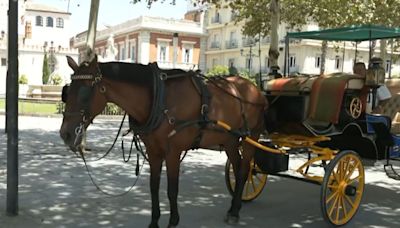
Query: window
{"type": "Point", "coordinates": [132, 51]}
{"type": "Point", "coordinates": [292, 61]}
{"type": "Point", "coordinates": [337, 62]}
{"type": "Point", "coordinates": [248, 63]}
{"type": "Point", "coordinates": [266, 63]}
{"type": "Point", "coordinates": [49, 22]}
{"type": "Point", "coordinates": [163, 51]}
{"type": "Point", "coordinates": [121, 51]}
{"type": "Point", "coordinates": [317, 61]}
{"type": "Point", "coordinates": [3, 61]}
{"type": "Point", "coordinates": [187, 53]}
{"type": "Point", "coordinates": [388, 65]}
{"type": "Point", "coordinates": [39, 21]}
{"type": "Point", "coordinates": [60, 22]}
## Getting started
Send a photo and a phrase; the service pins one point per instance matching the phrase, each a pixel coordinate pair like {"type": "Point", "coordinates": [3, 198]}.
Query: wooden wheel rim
{"type": "Point", "coordinates": [343, 187]}
{"type": "Point", "coordinates": [355, 107]}
{"type": "Point", "coordinates": [255, 183]}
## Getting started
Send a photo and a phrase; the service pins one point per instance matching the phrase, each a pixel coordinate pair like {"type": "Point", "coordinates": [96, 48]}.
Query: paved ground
{"type": "Point", "coordinates": [55, 190]}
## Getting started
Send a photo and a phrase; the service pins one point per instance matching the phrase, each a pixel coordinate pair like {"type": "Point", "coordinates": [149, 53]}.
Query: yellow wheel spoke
{"type": "Point", "coordinates": [333, 206]}
{"type": "Point", "coordinates": [344, 208]}
{"type": "Point", "coordinates": [331, 186]}
{"type": "Point", "coordinates": [338, 208]}
{"type": "Point", "coordinates": [331, 196]}
{"type": "Point", "coordinates": [336, 176]}
{"type": "Point", "coordinates": [254, 186]}
{"type": "Point", "coordinates": [349, 201]}
{"type": "Point", "coordinates": [351, 181]}
{"type": "Point", "coordinates": [352, 170]}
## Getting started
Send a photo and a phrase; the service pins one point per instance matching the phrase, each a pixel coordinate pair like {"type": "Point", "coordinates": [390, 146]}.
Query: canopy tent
{"type": "Point", "coordinates": [351, 33]}
{"type": "Point", "coordinates": [355, 33]}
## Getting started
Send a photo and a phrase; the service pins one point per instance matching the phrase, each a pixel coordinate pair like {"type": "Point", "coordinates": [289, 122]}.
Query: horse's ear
{"type": "Point", "coordinates": [72, 63]}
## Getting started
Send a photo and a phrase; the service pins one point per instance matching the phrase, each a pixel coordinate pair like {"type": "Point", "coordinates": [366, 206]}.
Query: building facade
{"type": "Point", "coordinates": [43, 30]}
{"type": "Point", "coordinates": [169, 42]}
{"type": "Point", "coordinates": [227, 46]}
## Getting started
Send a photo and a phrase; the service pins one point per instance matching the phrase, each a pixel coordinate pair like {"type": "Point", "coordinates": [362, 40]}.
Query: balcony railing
{"type": "Point", "coordinates": [248, 42]}
{"type": "Point", "coordinates": [231, 44]}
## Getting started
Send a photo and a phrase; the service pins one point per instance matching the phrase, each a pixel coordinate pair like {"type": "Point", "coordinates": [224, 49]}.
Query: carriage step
{"type": "Point", "coordinates": [391, 173]}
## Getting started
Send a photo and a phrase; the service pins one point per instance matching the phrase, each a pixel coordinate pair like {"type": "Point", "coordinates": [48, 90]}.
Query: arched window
{"type": "Point", "coordinates": [39, 21]}
{"type": "Point", "coordinates": [49, 22]}
{"type": "Point", "coordinates": [59, 22]}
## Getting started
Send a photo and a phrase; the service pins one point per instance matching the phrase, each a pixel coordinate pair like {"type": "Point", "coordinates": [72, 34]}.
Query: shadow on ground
{"type": "Point", "coordinates": [55, 190]}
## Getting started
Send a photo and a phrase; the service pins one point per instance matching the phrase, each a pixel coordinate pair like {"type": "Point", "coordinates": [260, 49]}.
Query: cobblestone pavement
{"type": "Point", "coordinates": [55, 190]}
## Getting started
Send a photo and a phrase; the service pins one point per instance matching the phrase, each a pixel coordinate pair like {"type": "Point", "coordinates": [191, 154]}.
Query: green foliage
{"type": "Point", "coordinates": [46, 70]}
{"type": "Point", "coordinates": [246, 74]}
{"type": "Point", "coordinates": [23, 79]}
{"type": "Point", "coordinates": [218, 70]}
{"type": "Point", "coordinates": [56, 79]}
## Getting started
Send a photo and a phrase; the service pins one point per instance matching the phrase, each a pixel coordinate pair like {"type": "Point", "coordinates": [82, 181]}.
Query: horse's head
{"type": "Point", "coordinates": [84, 99]}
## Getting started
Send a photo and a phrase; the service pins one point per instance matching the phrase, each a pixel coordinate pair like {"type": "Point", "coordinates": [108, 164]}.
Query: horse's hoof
{"type": "Point", "coordinates": [171, 226]}
{"type": "Point", "coordinates": [231, 220]}
{"type": "Point", "coordinates": [154, 226]}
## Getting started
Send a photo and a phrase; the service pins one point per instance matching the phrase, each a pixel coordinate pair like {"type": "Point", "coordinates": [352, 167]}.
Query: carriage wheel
{"type": "Point", "coordinates": [355, 107]}
{"type": "Point", "coordinates": [255, 181]}
{"type": "Point", "coordinates": [342, 188]}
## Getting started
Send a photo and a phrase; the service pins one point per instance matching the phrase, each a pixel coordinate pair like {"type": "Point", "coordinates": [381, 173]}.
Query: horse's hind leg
{"type": "Point", "coordinates": [173, 163]}
{"type": "Point", "coordinates": [241, 166]}
{"type": "Point", "coordinates": [155, 171]}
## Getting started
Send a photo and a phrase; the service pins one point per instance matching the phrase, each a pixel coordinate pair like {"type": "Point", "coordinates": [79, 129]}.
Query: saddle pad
{"type": "Point", "coordinates": [327, 95]}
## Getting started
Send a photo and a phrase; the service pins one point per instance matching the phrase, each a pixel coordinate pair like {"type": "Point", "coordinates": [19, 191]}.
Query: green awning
{"type": "Point", "coordinates": [351, 33]}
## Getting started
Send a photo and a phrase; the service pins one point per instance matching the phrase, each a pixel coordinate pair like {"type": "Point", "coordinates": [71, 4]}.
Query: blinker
{"type": "Point", "coordinates": [64, 93]}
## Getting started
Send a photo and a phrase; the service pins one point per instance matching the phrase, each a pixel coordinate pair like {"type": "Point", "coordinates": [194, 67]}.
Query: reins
{"type": "Point", "coordinates": [99, 188]}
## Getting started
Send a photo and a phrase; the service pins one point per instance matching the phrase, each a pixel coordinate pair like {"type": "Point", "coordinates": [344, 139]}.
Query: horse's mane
{"type": "Point", "coordinates": [132, 72]}
{"type": "Point", "coordinates": [127, 72]}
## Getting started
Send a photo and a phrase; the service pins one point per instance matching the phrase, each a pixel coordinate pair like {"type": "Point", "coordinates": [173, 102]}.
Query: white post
{"type": "Point", "coordinates": [91, 34]}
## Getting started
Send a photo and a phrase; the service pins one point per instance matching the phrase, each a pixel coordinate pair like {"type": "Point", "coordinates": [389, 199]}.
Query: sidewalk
{"type": "Point", "coordinates": [55, 191]}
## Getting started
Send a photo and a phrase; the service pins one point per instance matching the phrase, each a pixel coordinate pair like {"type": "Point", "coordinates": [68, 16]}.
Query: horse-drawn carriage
{"type": "Point", "coordinates": [325, 118]}
{"type": "Point", "coordinates": [322, 117]}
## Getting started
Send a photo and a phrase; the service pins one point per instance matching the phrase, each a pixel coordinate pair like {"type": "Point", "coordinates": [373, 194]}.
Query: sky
{"type": "Point", "coordinates": [112, 13]}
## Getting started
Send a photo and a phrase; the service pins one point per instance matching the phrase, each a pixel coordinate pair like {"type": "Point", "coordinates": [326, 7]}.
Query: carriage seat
{"type": "Point", "coordinates": [289, 85]}
{"type": "Point", "coordinates": [327, 95]}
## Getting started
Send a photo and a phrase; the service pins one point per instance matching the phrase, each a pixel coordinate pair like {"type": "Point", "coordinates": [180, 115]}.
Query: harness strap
{"type": "Point", "coordinates": [205, 97]}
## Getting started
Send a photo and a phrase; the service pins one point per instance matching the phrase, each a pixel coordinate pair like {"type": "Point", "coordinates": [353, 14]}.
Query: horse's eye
{"type": "Point", "coordinates": [84, 95]}
{"type": "Point", "coordinates": [64, 93]}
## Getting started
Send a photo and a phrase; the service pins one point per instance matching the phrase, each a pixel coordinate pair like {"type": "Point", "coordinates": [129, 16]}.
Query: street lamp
{"type": "Point", "coordinates": [250, 55]}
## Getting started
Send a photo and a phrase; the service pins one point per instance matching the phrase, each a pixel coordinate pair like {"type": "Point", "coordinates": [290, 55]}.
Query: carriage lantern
{"type": "Point", "coordinates": [375, 74]}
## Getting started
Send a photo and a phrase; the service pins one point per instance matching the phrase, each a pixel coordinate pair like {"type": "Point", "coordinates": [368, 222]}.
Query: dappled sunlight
{"type": "Point", "coordinates": [55, 190]}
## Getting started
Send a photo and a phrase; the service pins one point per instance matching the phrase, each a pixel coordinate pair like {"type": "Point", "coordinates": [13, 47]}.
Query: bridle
{"type": "Point", "coordinates": [85, 94]}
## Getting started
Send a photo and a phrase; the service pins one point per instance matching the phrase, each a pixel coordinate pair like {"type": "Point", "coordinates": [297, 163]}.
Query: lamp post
{"type": "Point", "coordinates": [250, 55]}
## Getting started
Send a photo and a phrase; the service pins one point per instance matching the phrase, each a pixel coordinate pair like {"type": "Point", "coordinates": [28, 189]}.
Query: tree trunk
{"type": "Point", "coordinates": [273, 53]}
{"type": "Point", "coordinates": [383, 49]}
{"type": "Point", "coordinates": [324, 49]}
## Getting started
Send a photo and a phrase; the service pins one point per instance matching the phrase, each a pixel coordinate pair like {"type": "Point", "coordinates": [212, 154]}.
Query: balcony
{"type": "Point", "coordinates": [231, 44]}
{"type": "Point", "coordinates": [248, 42]}
{"type": "Point", "coordinates": [215, 45]}
{"type": "Point", "coordinates": [266, 40]}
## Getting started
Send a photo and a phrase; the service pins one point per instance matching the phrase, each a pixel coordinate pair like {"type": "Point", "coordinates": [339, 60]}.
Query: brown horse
{"type": "Point", "coordinates": [234, 100]}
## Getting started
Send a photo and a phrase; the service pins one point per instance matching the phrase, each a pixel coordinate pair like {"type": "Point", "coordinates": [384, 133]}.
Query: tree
{"type": "Point", "coordinates": [46, 70]}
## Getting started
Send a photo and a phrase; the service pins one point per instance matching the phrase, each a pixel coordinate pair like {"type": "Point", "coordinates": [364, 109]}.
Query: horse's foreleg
{"type": "Point", "coordinates": [155, 171]}
{"type": "Point", "coordinates": [235, 159]}
{"type": "Point", "coordinates": [173, 163]}
{"type": "Point", "coordinates": [242, 164]}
